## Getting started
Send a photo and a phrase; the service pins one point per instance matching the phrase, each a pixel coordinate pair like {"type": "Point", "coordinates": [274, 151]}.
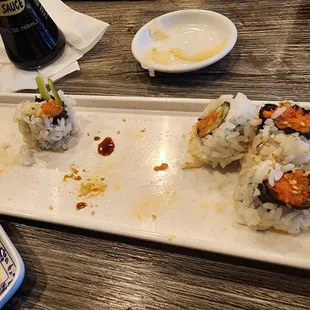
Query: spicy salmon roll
{"type": "Point", "coordinates": [270, 195]}
{"type": "Point", "coordinates": [48, 122]}
{"type": "Point", "coordinates": [288, 117]}
{"type": "Point", "coordinates": [222, 132]}
{"type": "Point", "coordinates": [281, 148]}
{"type": "Point", "coordinates": [281, 138]}
{"type": "Point", "coordinates": [291, 190]}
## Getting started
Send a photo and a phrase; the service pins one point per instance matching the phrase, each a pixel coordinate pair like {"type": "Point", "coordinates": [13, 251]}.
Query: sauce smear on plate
{"type": "Point", "coordinates": [81, 205]}
{"type": "Point", "coordinates": [162, 167]}
{"type": "Point", "coordinates": [106, 147]}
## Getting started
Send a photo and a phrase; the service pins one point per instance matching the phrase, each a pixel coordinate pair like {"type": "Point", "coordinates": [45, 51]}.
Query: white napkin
{"type": "Point", "coordinates": [82, 33]}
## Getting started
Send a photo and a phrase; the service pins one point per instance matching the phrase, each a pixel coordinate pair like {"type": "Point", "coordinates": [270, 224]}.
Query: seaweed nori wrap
{"type": "Point", "coordinates": [293, 119]}
{"type": "Point", "coordinates": [292, 190]}
{"type": "Point", "coordinates": [208, 124]}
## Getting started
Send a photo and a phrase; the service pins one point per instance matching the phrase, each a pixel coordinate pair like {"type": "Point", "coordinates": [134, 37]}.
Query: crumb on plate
{"type": "Point", "coordinates": [220, 208]}
{"type": "Point", "coordinates": [94, 187]}
{"type": "Point", "coordinates": [279, 231]}
{"type": "Point", "coordinates": [73, 175]}
{"type": "Point", "coordinates": [162, 167]}
{"type": "Point", "coordinates": [190, 165]}
{"type": "Point", "coordinates": [170, 238]}
{"type": "Point", "coordinates": [220, 188]}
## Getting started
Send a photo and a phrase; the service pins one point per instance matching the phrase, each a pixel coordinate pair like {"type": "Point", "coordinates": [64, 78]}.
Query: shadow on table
{"type": "Point", "coordinates": [29, 285]}
{"type": "Point", "coordinates": [240, 270]}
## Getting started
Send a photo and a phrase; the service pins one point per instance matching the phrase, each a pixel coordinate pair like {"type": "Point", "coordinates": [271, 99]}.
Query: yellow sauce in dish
{"type": "Point", "coordinates": [176, 56]}
{"type": "Point", "coordinates": [181, 46]}
{"type": "Point", "coordinates": [200, 56]}
{"type": "Point", "coordinates": [157, 32]}
{"type": "Point", "coordinates": [158, 56]}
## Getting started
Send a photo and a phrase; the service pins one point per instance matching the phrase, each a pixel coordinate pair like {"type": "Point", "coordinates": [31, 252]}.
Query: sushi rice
{"type": "Point", "coordinates": [43, 133]}
{"type": "Point", "coordinates": [274, 144]}
{"type": "Point", "coordinates": [226, 143]}
{"type": "Point", "coordinates": [271, 154]}
{"type": "Point", "coordinates": [267, 155]}
{"type": "Point", "coordinates": [251, 211]}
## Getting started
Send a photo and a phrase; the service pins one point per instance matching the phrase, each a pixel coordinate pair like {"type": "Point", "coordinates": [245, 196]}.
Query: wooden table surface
{"type": "Point", "coordinates": [71, 269]}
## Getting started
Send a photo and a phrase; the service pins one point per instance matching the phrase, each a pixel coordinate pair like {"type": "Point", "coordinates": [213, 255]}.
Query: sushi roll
{"type": "Point", "coordinates": [291, 190]}
{"type": "Point", "coordinates": [272, 196]}
{"type": "Point", "coordinates": [280, 137]}
{"type": "Point", "coordinates": [273, 189]}
{"type": "Point", "coordinates": [288, 117]}
{"type": "Point", "coordinates": [48, 122]}
{"type": "Point", "coordinates": [221, 134]}
{"type": "Point", "coordinates": [281, 148]}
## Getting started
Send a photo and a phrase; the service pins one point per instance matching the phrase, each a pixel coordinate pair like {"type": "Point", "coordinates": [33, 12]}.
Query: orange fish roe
{"type": "Point", "coordinates": [293, 117]}
{"type": "Point", "coordinates": [51, 109]}
{"type": "Point", "coordinates": [292, 188]}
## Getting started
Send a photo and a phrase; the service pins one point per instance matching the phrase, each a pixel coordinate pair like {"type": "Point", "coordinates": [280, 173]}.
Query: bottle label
{"type": "Point", "coordinates": [11, 7]}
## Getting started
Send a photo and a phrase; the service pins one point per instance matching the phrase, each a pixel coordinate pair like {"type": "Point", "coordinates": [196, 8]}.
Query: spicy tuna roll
{"type": "Point", "coordinates": [283, 149]}
{"type": "Point", "coordinates": [288, 117]}
{"type": "Point", "coordinates": [291, 190]}
{"type": "Point", "coordinates": [48, 122]}
{"type": "Point", "coordinates": [270, 195]}
{"type": "Point", "coordinates": [281, 136]}
{"type": "Point", "coordinates": [222, 132]}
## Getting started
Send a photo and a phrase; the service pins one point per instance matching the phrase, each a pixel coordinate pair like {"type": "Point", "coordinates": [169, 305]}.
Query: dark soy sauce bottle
{"type": "Point", "coordinates": [31, 38]}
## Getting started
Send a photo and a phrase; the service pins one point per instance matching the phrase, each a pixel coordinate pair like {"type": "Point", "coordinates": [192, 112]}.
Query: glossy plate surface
{"type": "Point", "coordinates": [191, 208]}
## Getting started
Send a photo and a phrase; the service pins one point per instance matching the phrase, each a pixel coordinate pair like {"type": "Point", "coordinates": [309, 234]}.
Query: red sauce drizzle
{"type": "Point", "coordinates": [96, 138]}
{"type": "Point", "coordinates": [81, 205]}
{"type": "Point", "coordinates": [106, 147]}
{"type": "Point", "coordinates": [162, 167]}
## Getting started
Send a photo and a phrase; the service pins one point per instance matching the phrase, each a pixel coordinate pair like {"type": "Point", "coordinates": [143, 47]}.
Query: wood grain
{"type": "Point", "coordinates": [270, 60]}
{"type": "Point", "coordinates": [72, 269]}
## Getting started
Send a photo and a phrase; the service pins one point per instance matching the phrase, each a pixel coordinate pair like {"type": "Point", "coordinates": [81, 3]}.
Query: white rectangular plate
{"type": "Point", "coordinates": [192, 208]}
